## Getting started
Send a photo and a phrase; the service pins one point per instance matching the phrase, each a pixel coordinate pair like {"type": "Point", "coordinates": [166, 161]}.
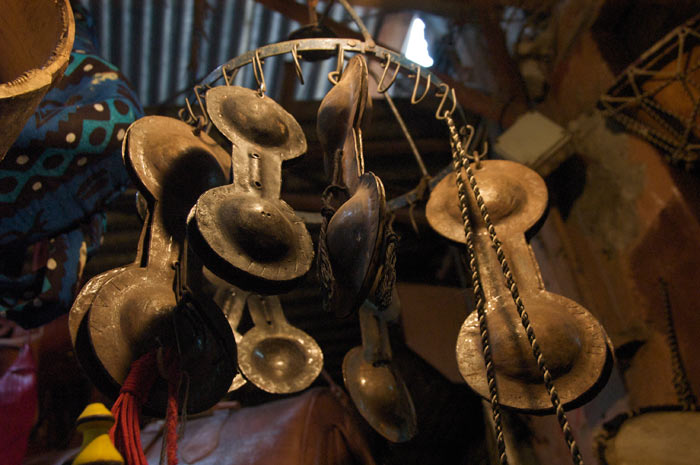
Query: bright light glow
{"type": "Point", "coordinates": [416, 45]}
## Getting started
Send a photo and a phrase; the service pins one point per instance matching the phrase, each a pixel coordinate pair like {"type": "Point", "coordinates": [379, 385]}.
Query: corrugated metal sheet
{"type": "Point", "coordinates": [151, 42]}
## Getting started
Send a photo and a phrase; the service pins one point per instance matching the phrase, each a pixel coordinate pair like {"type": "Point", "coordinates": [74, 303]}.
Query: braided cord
{"type": "Point", "coordinates": [382, 294]}
{"type": "Point", "coordinates": [515, 294]}
{"type": "Point", "coordinates": [325, 269]}
{"type": "Point", "coordinates": [457, 153]}
{"type": "Point", "coordinates": [681, 385]}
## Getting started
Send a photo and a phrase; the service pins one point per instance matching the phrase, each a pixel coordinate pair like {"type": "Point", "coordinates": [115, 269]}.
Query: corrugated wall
{"type": "Point", "coordinates": [151, 41]}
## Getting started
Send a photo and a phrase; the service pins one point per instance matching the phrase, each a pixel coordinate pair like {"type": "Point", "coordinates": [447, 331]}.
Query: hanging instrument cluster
{"type": "Point", "coordinates": [217, 239]}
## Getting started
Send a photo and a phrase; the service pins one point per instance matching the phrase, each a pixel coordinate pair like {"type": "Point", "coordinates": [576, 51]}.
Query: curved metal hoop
{"type": "Point", "coordinates": [322, 44]}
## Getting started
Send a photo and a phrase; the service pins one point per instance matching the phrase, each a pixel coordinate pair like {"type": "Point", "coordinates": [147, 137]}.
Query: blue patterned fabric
{"type": "Point", "coordinates": [61, 171]}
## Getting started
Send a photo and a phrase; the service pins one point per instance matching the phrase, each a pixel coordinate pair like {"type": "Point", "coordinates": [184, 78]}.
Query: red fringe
{"type": "Point", "coordinates": [126, 432]}
{"type": "Point", "coordinates": [171, 415]}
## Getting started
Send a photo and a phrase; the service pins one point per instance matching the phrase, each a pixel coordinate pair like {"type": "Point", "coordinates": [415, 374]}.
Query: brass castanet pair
{"type": "Point", "coordinates": [574, 344]}
{"type": "Point", "coordinates": [208, 214]}
{"type": "Point", "coordinates": [356, 249]}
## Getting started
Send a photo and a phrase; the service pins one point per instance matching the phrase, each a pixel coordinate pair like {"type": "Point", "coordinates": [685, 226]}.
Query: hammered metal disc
{"type": "Point", "coordinates": [354, 238]}
{"type": "Point", "coordinates": [85, 297]}
{"type": "Point", "coordinates": [158, 148]}
{"type": "Point", "coordinates": [574, 345]}
{"type": "Point", "coordinates": [279, 358]}
{"type": "Point", "coordinates": [77, 327]}
{"type": "Point", "coordinates": [247, 119]}
{"type": "Point", "coordinates": [258, 244]}
{"type": "Point", "coordinates": [135, 312]}
{"type": "Point", "coordinates": [380, 395]}
{"type": "Point", "coordinates": [515, 195]}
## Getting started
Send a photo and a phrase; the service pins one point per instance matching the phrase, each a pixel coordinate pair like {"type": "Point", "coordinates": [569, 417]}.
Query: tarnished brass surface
{"type": "Point", "coordinates": [375, 386]}
{"type": "Point", "coordinates": [516, 199]}
{"type": "Point", "coordinates": [354, 241]}
{"type": "Point", "coordinates": [177, 163]}
{"type": "Point", "coordinates": [342, 113]}
{"type": "Point", "coordinates": [77, 327]}
{"type": "Point", "coordinates": [355, 232]}
{"type": "Point", "coordinates": [574, 344]}
{"type": "Point", "coordinates": [255, 123]}
{"type": "Point", "coordinates": [232, 302]}
{"type": "Point", "coordinates": [127, 312]}
{"type": "Point", "coordinates": [274, 355]}
{"type": "Point", "coordinates": [243, 232]}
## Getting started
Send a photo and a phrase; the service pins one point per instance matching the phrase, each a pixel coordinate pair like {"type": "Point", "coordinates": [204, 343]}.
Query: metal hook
{"type": "Point", "coordinates": [227, 79]}
{"type": "Point", "coordinates": [393, 78]}
{"type": "Point", "coordinates": [184, 118]}
{"type": "Point", "coordinates": [201, 105]}
{"type": "Point", "coordinates": [297, 66]}
{"type": "Point", "coordinates": [258, 73]}
{"type": "Point", "coordinates": [439, 114]}
{"type": "Point", "coordinates": [192, 119]}
{"type": "Point", "coordinates": [334, 76]}
{"type": "Point", "coordinates": [467, 132]}
{"type": "Point", "coordinates": [192, 116]}
{"type": "Point", "coordinates": [415, 100]}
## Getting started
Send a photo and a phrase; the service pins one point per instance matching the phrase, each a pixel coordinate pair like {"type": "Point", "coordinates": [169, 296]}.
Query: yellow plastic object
{"type": "Point", "coordinates": [97, 449]}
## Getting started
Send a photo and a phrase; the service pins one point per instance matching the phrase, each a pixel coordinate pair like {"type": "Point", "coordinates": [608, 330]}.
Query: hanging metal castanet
{"type": "Point", "coordinates": [574, 344]}
{"type": "Point", "coordinates": [243, 231]}
{"type": "Point", "coordinates": [125, 313]}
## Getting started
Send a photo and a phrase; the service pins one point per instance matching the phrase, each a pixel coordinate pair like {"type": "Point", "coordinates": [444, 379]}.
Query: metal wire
{"type": "Point", "coordinates": [457, 154]}
{"type": "Point", "coordinates": [515, 294]}
{"type": "Point", "coordinates": [681, 384]}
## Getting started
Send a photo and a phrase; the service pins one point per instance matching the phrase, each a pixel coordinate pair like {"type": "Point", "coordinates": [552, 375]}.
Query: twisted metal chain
{"type": "Point", "coordinates": [681, 385]}
{"type": "Point", "coordinates": [515, 294]}
{"type": "Point", "coordinates": [478, 290]}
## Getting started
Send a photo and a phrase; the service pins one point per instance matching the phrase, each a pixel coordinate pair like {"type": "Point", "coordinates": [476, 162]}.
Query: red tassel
{"type": "Point", "coordinates": [126, 432]}
{"type": "Point", "coordinates": [171, 415]}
